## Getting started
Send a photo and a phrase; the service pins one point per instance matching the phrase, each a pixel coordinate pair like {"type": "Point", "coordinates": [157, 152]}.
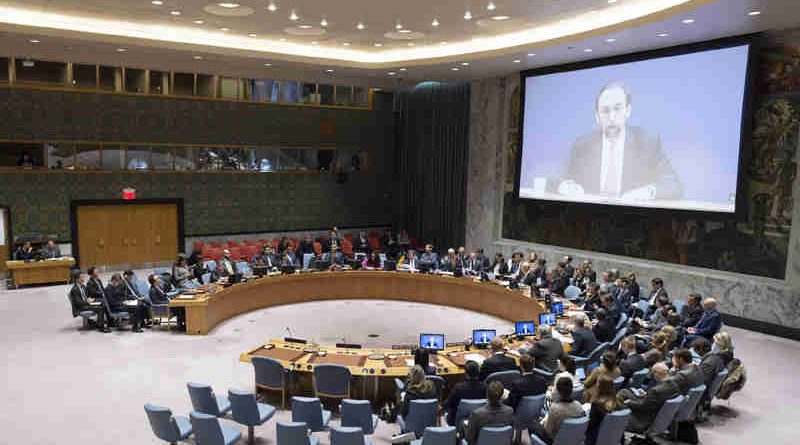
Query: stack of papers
{"type": "Point", "coordinates": [477, 358]}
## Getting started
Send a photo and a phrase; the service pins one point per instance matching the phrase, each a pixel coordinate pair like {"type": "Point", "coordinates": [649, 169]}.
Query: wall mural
{"type": "Point", "coordinates": [757, 245]}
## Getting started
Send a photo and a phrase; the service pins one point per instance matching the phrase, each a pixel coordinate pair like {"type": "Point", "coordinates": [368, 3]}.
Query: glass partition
{"type": "Point", "coordinates": [325, 94]}
{"type": "Point", "coordinates": [289, 92]}
{"type": "Point", "coordinates": [308, 93]}
{"type": "Point", "coordinates": [113, 157]}
{"type": "Point", "coordinates": [135, 80]}
{"type": "Point", "coordinates": [60, 155]}
{"type": "Point", "coordinates": [88, 156]}
{"type": "Point", "coordinates": [138, 157]}
{"type": "Point", "coordinates": [40, 72]}
{"type": "Point", "coordinates": [360, 96]}
{"type": "Point", "coordinates": [159, 82]}
{"type": "Point", "coordinates": [265, 90]}
{"type": "Point", "coordinates": [183, 84]}
{"type": "Point", "coordinates": [343, 94]}
{"type": "Point", "coordinates": [84, 76]}
{"type": "Point", "coordinates": [184, 158]}
{"type": "Point", "coordinates": [228, 87]}
{"type": "Point", "coordinates": [161, 158]}
{"type": "Point", "coordinates": [110, 78]}
{"type": "Point", "coordinates": [206, 85]}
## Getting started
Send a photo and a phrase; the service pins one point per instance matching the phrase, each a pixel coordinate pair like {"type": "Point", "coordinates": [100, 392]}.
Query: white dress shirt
{"type": "Point", "coordinates": [613, 150]}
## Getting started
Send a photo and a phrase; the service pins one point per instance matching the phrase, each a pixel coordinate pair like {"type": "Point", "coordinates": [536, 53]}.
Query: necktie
{"type": "Point", "coordinates": [83, 292]}
{"type": "Point", "coordinates": [612, 171]}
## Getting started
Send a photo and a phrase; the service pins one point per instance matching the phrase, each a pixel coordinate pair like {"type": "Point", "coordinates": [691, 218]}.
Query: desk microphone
{"type": "Point", "coordinates": [289, 331]}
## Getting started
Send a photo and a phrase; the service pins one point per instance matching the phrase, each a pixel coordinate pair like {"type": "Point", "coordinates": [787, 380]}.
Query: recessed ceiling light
{"type": "Point", "coordinates": [329, 70]}
{"type": "Point", "coordinates": [391, 73]}
{"type": "Point", "coordinates": [323, 23]}
{"type": "Point", "coordinates": [491, 6]}
{"type": "Point", "coordinates": [611, 40]}
{"type": "Point", "coordinates": [754, 13]}
{"type": "Point", "coordinates": [272, 7]}
{"type": "Point", "coordinates": [223, 29]}
{"type": "Point", "coordinates": [442, 43]}
{"type": "Point", "coordinates": [197, 57]}
{"type": "Point", "coordinates": [688, 21]}
{"type": "Point", "coordinates": [405, 31]}
{"type": "Point", "coordinates": [587, 50]}
{"type": "Point", "coordinates": [531, 54]}
{"type": "Point", "coordinates": [228, 5]}
{"type": "Point", "coordinates": [663, 34]}
{"type": "Point", "coordinates": [175, 12]}
{"type": "Point", "coordinates": [454, 68]}
{"type": "Point", "coordinates": [468, 15]}
{"type": "Point", "coordinates": [315, 43]}
{"type": "Point", "coordinates": [293, 16]}
{"type": "Point", "coordinates": [435, 23]}
{"type": "Point", "coordinates": [121, 50]}
{"type": "Point", "coordinates": [378, 44]}
{"type": "Point", "coordinates": [282, 39]}
{"type": "Point", "coordinates": [305, 26]}
{"type": "Point", "coordinates": [464, 63]}
{"type": "Point", "coordinates": [157, 2]}
{"type": "Point", "coordinates": [500, 17]}
{"type": "Point", "coordinates": [34, 41]}
{"type": "Point", "coordinates": [252, 35]}
{"type": "Point", "coordinates": [267, 65]}
{"type": "Point", "coordinates": [346, 43]}
{"type": "Point", "coordinates": [612, 1]}
{"type": "Point", "coordinates": [398, 25]}
{"type": "Point", "coordinates": [517, 61]}
{"type": "Point", "coordinates": [411, 43]}
{"type": "Point", "coordinates": [199, 22]}
{"type": "Point", "coordinates": [403, 69]}
{"type": "Point", "coordinates": [360, 26]}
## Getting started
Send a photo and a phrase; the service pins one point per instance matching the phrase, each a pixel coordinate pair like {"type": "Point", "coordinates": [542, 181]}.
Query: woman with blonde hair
{"type": "Point", "coordinates": [604, 401]}
{"type": "Point", "coordinates": [417, 387]}
{"type": "Point", "coordinates": [661, 342]}
{"type": "Point", "coordinates": [723, 346]}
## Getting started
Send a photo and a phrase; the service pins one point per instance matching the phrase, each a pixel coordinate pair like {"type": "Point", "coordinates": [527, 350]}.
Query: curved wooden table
{"type": "Point", "coordinates": [204, 311]}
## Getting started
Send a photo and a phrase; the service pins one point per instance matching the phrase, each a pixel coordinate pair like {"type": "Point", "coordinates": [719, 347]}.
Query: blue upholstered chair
{"type": "Point", "coordinates": [680, 307]}
{"type": "Point", "coordinates": [504, 377]}
{"type": "Point", "coordinates": [623, 320]}
{"type": "Point", "coordinates": [243, 268]}
{"type": "Point", "coordinates": [307, 257]}
{"type": "Point", "coordinates": [421, 414]}
{"type": "Point", "coordinates": [332, 381]}
{"type": "Point", "coordinates": [618, 337]}
{"type": "Point", "coordinates": [638, 378]}
{"type": "Point", "coordinates": [716, 384]}
{"type": "Point", "coordinates": [643, 307]}
{"type": "Point", "coordinates": [358, 413]}
{"type": "Point", "coordinates": [271, 375]}
{"type": "Point", "coordinates": [493, 435]}
{"type": "Point", "coordinates": [294, 433]}
{"type": "Point", "coordinates": [613, 427]}
{"type": "Point", "coordinates": [165, 426]}
{"type": "Point", "coordinates": [548, 376]}
{"type": "Point", "coordinates": [117, 317]}
{"type": "Point", "coordinates": [85, 315]}
{"type": "Point", "coordinates": [161, 271]}
{"type": "Point", "coordinates": [348, 435]}
{"type": "Point", "coordinates": [210, 265]}
{"type": "Point", "coordinates": [665, 416]}
{"type": "Point", "coordinates": [688, 408]}
{"type": "Point", "coordinates": [309, 410]}
{"type": "Point", "coordinates": [205, 278]}
{"type": "Point", "coordinates": [248, 412]}
{"type": "Point", "coordinates": [587, 362]}
{"type": "Point", "coordinates": [205, 401]}
{"type": "Point", "coordinates": [142, 287]}
{"type": "Point", "coordinates": [465, 408]}
{"type": "Point", "coordinates": [439, 383]}
{"type": "Point", "coordinates": [571, 432]}
{"type": "Point", "coordinates": [437, 435]}
{"type": "Point", "coordinates": [528, 412]}
{"type": "Point", "coordinates": [208, 430]}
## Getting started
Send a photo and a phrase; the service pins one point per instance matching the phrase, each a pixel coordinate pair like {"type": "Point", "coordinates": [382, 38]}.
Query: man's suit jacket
{"type": "Point", "coordinates": [643, 164]}
{"type": "Point", "coordinates": [528, 385]}
{"type": "Point", "coordinates": [546, 353]}
{"type": "Point", "coordinates": [688, 377]}
{"type": "Point", "coordinates": [591, 274]}
{"type": "Point", "coordinates": [362, 245]}
{"type": "Point", "coordinates": [487, 415]}
{"type": "Point", "coordinates": [95, 288]}
{"type": "Point", "coordinates": [711, 364]}
{"type": "Point", "coordinates": [115, 295]}
{"type": "Point", "coordinates": [468, 389]}
{"type": "Point", "coordinates": [584, 342]}
{"type": "Point", "coordinates": [645, 409]}
{"type": "Point", "coordinates": [290, 259]}
{"type": "Point", "coordinates": [559, 285]}
{"type": "Point", "coordinates": [709, 324]}
{"type": "Point", "coordinates": [78, 299]}
{"type": "Point", "coordinates": [569, 270]}
{"type": "Point", "coordinates": [24, 255]}
{"type": "Point", "coordinates": [496, 363]}
{"type": "Point", "coordinates": [429, 260]}
{"type": "Point", "coordinates": [158, 295]}
{"type": "Point", "coordinates": [604, 330]}
{"type": "Point", "coordinates": [693, 315]}
{"type": "Point", "coordinates": [449, 265]}
{"type": "Point", "coordinates": [502, 267]}
{"type": "Point", "coordinates": [631, 364]}
{"type": "Point", "coordinates": [55, 252]}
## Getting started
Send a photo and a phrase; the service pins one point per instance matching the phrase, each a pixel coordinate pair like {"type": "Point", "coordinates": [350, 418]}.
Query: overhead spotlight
{"type": "Point", "coordinates": [175, 12]}
{"type": "Point", "coordinates": [282, 39]}
{"type": "Point", "coordinates": [611, 2]}
{"type": "Point", "coordinates": [454, 69]}
{"type": "Point", "coordinates": [34, 41]}
{"type": "Point", "coordinates": [754, 13]}
{"type": "Point", "coordinates": [323, 23]}
{"type": "Point", "coordinates": [315, 43]}
{"type": "Point", "coordinates": [517, 61]}
{"type": "Point", "coordinates": [328, 70]}
{"type": "Point", "coordinates": [360, 26]}
{"type": "Point", "coordinates": [252, 35]}
{"type": "Point", "coordinates": [611, 40]}
{"type": "Point", "coordinates": [467, 15]}
{"type": "Point", "coordinates": [587, 50]}
{"type": "Point", "coordinates": [223, 29]}
{"type": "Point", "coordinates": [500, 17]}
{"type": "Point", "coordinates": [442, 43]}
{"type": "Point", "coordinates": [267, 65]}
{"type": "Point", "coordinates": [272, 7]}
{"type": "Point", "coordinates": [464, 63]}
{"type": "Point", "coordinates": [663, 34]}
{"type": "Point", "coordinates": [391, 73]}
{"type": "Point", "coordinates": [531, 54]}
{"type": "Point", "coordinates": [157, 2]}
{"type": "Point", "coordinates": [197, 57]}
{"type": "Point", "coordinates": [293, 16]}
{"type": "Point", "coordinates": [121, 50]}
{"type": "Point", "coordinates": [346, 43]}
{"type": "Point", "coordinates": [491, 6]}
{"type": "Point", "coordinates": [435, 23]}
{"type": "Point", "coordinates": [405, 31]}
{"type": "Point", "coordinates": [398, 25]}
{"type": "Point", "coordinates": [377, 44]}
{"type": "Point", "coordinates": [199, 22]}
{"type": "Point", "coordinates": [403, 69]}
{"type": "Point", "coordinates": [411, 43]}
{"type": "Point", "coordinates": [228, 5]}
{"type": "Point", "coordinates": [688, 21]}
{"type": "Point", "coordinates": [305, 26]}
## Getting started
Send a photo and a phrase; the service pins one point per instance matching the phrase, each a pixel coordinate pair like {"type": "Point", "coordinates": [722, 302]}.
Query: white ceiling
{"type": "Point", "coordinates": [712, 19]}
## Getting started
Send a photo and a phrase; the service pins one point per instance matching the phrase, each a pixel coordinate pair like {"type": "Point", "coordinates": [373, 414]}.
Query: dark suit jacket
{"type": "Point", "coordinates": [559, 285]}
{"type": "Point", "coordinates": [709, 324]}
{"type": "Point", "coordinates": [711, 364]}
{"type": "Point", "coordinates": [468, 389]}
{"type": "Point", "coordinates": [645, 409]}
{"type": "Point", "coordinates": [688, 377]}
{"type": "Point", "coordinates": [497, 363]}
{"type": "Point", "coordinates": [584, 342]}
{"type": "Point", "coordinates": [115, 296]}
{"type": "Point", "coordinates": [158, 295]}
{"type": "Point", "coordinates": [24, 255]}
{"type": "Point", "coordinates": [527, 385]}
{"type": "Point", "coordinates": [546, 353]}
{"type": "Point", "coordinates": [95, 288]}
{"type": "Point", "coordinates": [501, 270]}
{"type": "Point", "coordinates": [362, 245]}
{"type": "Point", "coordinates": [79, 303]}
{"type": "Point", "coordinates": [305, 248]}
{"type": "Point", "coordinates": [604, 330]}
{"type": "Point", "coordinates": [693, 315]}
{"type": "Point", "coordinates": [487, 415]}
{"type": "Point", "coordinates": [644, 163]}
{"type": "Point", "coordinates": [631, 364]}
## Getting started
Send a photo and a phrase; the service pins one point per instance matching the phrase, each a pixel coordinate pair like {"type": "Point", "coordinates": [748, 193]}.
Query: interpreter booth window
{"type": "Point", "coordinates": [184, 158]}
{"type": "Point", "coordinates": [228, 87]}
{"type": "Point", "coordinates": [4, 70]}
{"type": "Point", "coordinates": [40, 72]}
{"type": "Point", "coordinates": [159, 82]}
{"type": "Point", "coordinates": [206, 86]}
{"type": "Point", "coordinates": [344, 95]}
{"type": "Point", "coordinates": [60, 155]}
{"type": "Point", "coordinates": [138, 158]}
{"type": "Point", "coordinates": [84, 76]}
{"type": "Point", "coordinates": [113, 157]}
{"type": "Point", "coordinates": [360, 96]}
{"type": "Point", "coordinates": [110, 78]}
{"type": "Point", "coordinates": [308, 93]}
{"type": "Point", "coordinates": [225, 158]}
{"type": "Point", "coordinates": [135, 80]}
{"type": "Point", "coordinates": [265, 90]}
{"type": "Point", "coordinates": [161, 158]}
{"type": "Point", "coordinates": [88, 156]}
{"type": "Point", "coordinates": [325, 94]}
{"type": "Point", "coordinates": [289, 92]}
{"type": "Point", "coordinates": [183, 84]}
{"type": "Point", "coordinates": [22, 155]}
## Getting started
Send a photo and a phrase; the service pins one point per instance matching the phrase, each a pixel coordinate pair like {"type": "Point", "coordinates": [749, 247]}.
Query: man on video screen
{"type": "Point", "coordinates": [619, 160]}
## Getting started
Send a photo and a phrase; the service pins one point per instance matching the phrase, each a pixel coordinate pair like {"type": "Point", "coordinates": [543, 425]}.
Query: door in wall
{"type": "Point", "coordinates": [115, 234]}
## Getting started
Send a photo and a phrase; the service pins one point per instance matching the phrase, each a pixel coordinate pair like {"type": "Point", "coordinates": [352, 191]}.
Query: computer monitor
{"type": "Point", "coordinates": [431, 341]}
{"type": "Point", "coordinates": [525, 328]}
{"type": "Point", "coordinates": [483, 336]}
{"type": "Point", "coordinates": [557, 308]}
{"type": "Point", "coordinates": [545, 318]}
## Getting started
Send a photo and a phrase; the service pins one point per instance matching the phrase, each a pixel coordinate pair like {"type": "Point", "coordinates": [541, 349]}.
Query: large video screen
{"type": "Point", "coordinates": [659, 133]}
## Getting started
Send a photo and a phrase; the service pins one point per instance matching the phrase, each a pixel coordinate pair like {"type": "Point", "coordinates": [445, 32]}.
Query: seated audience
{"type": "Point", "coordinates": [546, 351]}
{"type": "Point", "coordinates": [408, 261]}
{"type": "Point", "coordinates": [540, 274]}
{"type": "Point", "coordinates": [558, 282]}
{"type": "Point", "coordinates": [603, 401]}
{"type": "Point", "coordinates": [514, 264]}
{"type": "Point", "coordinates": [563, 407]}
{"type": "Point", "coordinates": [644, 406]}
{"type": "Point", "coordinates": [81, 301]}
{"type": "Point", "coordinates": [529, 384]}
{"type": "Point", "coordinates": [656, 290]}
{"type": "Point", "coordinates": [25, 252]}
{"type": "Point", "coordinates": [661, 342]}
{"type": "Point", "coordinates": [470, 388]}
{"type": "Point", "coordinates": [569, 269]}
{"type": "Point", "coordinates": [498, 267]}
{"type": "Point", "coordinates": [227, 263]}
{"type": "Point", "coordinates": [608, 368]}
{"type": "Point", "coordinates": [499, 361]}
{"type": "Point", "coordinates": [605, 328]}
{"type": "Point", "coordinates": [94, 286]}
{"type": "Point", "coordinates": [334, 256]}
{"type": "Point", "coordinates": [50, 250]}
{"type": "Point", "coordinates": [450, 262]}
{"type": "Point", "coordinates": [634, 288]}
{"type": "Point", "coordinates": [429, 260]}
{"type": "Point", "coordinates": [592, 298]}
{"type": "Point", "coordinates": [267, 260]}
{"type": "Point", "coordinates": [289, 258]}
{"type": "Point", "coordinates": [361, 244]}
{"type": "Point", "coordinates": [631, 361]}
{"type": "Point", "coordinates": [493, 413]}
{"type": "Point", "coordinates": [583, 338]}
{"type": "Point", "coordinates": [711, 363]}
{"type": "Point", "coordinates": [115, 296]}
{"type": "Point", "coordinates": [686, 374]}
{"type": "Point", "coordinates": [674, 322]}
{"type": "Point", "coordinates": [724, 345]}
{"type": "Point", "coordinates": [371, 262]}
{"type": "Point", "coordinates": [417, 387]}
{"type": "Point", "coordinates": [588, 272]}
{"type": "Point", "coordinates": [180, 272]}
{"type": "Point", "coordinates": [709, 322]}
{"type": "Point", "coordinates": [694, 310]}
{"type": "Point", "coordinates": [612, 307]}
{"type": "Point", "coordinates": [157, 293]}
{"type": "Point", "coordinates": [195, 263]}
{"type": "Point", "coordinates": [306, 246]}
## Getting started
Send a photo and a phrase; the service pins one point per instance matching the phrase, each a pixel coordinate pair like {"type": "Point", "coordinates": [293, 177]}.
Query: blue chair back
{"type": "Point", "coordinates": [572, 431]}
{"type": "Point", "coordinates": [308, 410]}
{"type": "Point", "coordinates": [332, 380]}
{"type": "Point", "coordinates": [495, 435]}
{"type": "Point", "coordinates": [161, 271]}
{"type": "Point", "coordinates": [210, 265]}
{"type": "Point", "coordinates": [203, 400]}
{"type": "Point", "coordinates": [623, 319]}
{"type": "Point", "coordinates": [528, 412]}
{"type": "Point", "coordinates": [717, 383]}
{"type": "Point", "coordinates": [504, 377]}
{"type": "Point", "coordinates": [307, 257]}
{"type": "Point", "coordinates": [548, 376]}
{"type": "Point", "coordinates": [162, 423]}
{"type": "Point", "coordinates": [665, 416]}
{"type": "Point", "coordinates": [618, 383]}
{"type": "Point", "coordinates": [438, 382]}
{"type": "Point", "coordinates": [244, 407]}
{"type": "Point", "coordinates": [243, 268]}
{"type": "Point", "coordinates": [358, 413]}
{"type": "Point", "coordinates": [292, 433]}
{"type": "Point", "coordinates": [439, 435]}
{"type": "Point", "coordinates": [269, 372]}
{"type": "Point", "coordinates": [689, 405]}
{"type": "Point", "coordinates": [572, 293]}
{"type": "Point", "coordinates": [613, 427]}
{"type": "Point", "coordinates": [207, 430]}
{"type": "Point", "coordinates": [347, 435]}
{"type": "Point", "coordinates": [466, 407]}
{"type": "Point", "coordinates": [421, 414]}
{"type": "Point", "coordinates": [618, 337]}
{"type": "Point", "coordinates": [643, 306]}
{"type": "Point", "coordinates": [680, 307]}
{"type": "Point", "coordinates": [205, 278]}
{"type": "Point", "coordinates": [638, 378]}
{"type": "Point", "coordinates": [142, 287]}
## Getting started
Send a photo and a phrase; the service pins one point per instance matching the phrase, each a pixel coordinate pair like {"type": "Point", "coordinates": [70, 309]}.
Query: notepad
{"type": "Point", "coordinates": [477, 358]}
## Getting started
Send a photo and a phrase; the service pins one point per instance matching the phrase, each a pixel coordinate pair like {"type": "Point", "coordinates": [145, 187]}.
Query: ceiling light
{"type": "Point", "coordinates": [611, 40]}
{"type": "Point", "coordinates": [328, 70]}
{"type": "Point", "coordinates": [282, 39]}
{"type": "Point", "coordinates": [224, 29]}
{"type": "Point", "coordinates": [754, 13]}
{"type": "Point", "coordinates": [323, 23]}
{"type": "Point", "coordinates": [121, 50]}
{"type": "Point", "coordinates": [663, 34]}
{"type": "Point", "coordinates": [315, 43]}
{"type": "Point", "coordinates": [34, 41]}
{"type": "Point", "coordinates": [252, 35]}
{"type": "Point", "coordinates": [360, 26]}
{"type": "Point", "coordinates": [491, 6]}
{"type": "Point", "coordinates": [531, 54]}
{"type": "Point", "coordinates": [454, 69]}
{"type": "Point", "coordinates": [688, 21]}
{"type": "Point", "coordinates": [435, 23]}
{"type": "Point", "coordinates": [517, 61]}
{"type": "Point", "coordinates": [267, 65]}
{"type": "Point", "coordinates": [197, 57]}
{"type": "Point", "coordinates": [228, 5]}
{"type": "Point", "coordinates": [411, 44]}
{"type": "Point", "coordinates": [442, 43]}
{"type": "Point", "coordinates": [500, 17]}
{"type": "Point", "coordinates": [293, 16]}
{"type": "Point", "coordinates": [464, 63]}
{"type": "Point", "coordinates": [199, 22]}
{"type": "Point", "coordinates": [612, 1]}
{"type": "Point", "coordinates": [467, 15]}
{"type": "Point", "coordinates": [403, 69]}
{"type": "Point", "coordinates": [346, 43]}
{"type": "Point", "coordinates": [175, 12]}
{"type": "Point", "coordinates": [398, 25]}
{"type": "Point", "coordinates": [272, 7]}
{"type": "Point", "coordinates": [305, 26]}
{"type": "Point", "coordinates": [377, 44]}
{"type": "Point", "coordinates": [405, 31]}
{"type": "Point", "coordinates": [391, 73]}
{"type": "Point", "coordinates": [587, 50]}
{"type": "Point", "coordinates": [157, 2]}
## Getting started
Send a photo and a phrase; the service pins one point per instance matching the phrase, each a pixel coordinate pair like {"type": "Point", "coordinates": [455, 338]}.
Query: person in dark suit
{"type": "Point", "coordinates": [630, 360]}
{"type": "Point", "coordinates": [711, 363]}
{"type": "Point", "coordinates": [514, 264]}
{"type": "Point", "coordinates": [540, 273]}
{"type": "Point", "coordinates": [361, 244]}
{"type": "Point", "coordinates": [289, 258]}
{"type": "Point", "coordinates": [417, 387]}
{"type": "Point", "coordinates": [569, 269]}
{"type": "Point", "coordinates": [529, 384]}
{"type": "Point", "coordinates": [482, 258]}
{"type": "Point", "coordinates": [619, 160]}
{"type": "Point", "coordinates": [584, 341]}
{"type": "Point", "coordinates": [94, 287]}
{"type": "Point", "coordinates": [267, 259]}
{"type": "Point", "coordinates": [195, 264]}
{"type": "Point", "coordinates": [227, 263]}
{"type": "Point", "coordinates": [470, 388]}
{"type": "Point", "coordinates": [559, 282]}
{"type": "Point", "coordinates": [132, 293]}
{"type": "Point", "coordinates": [157, 293]}
{"type": "Point", "coordinates": [429, 260]}
{"type": "Point", "coordinates": [306, 246]}
{"type": "Point", "coordinates": [50, 250]}
{"type": "Point", "coordinates": [593, 299]}
{"type": "Point", "coordinates": [588, 272]}
{"type": "Point", "coordinates": [81, 301]}
{"type": "Point", "coordinates": [656, 290]}
{"type": "Point", "coordinates": [499, 361]}
{"type": "Point", "coordinates": [686, 374]}
{"type": "Point", "coordinates": [498, 267]}
{"type": "Point", "coordinates": [694, 310]}
{"type": "Point", "coordinates": [451, 262]}
{"type": "Point", "coordinates": [546, 351]}
{"type": "Point", "coordinates": [612, 307]}
{"type": "Point", "coordinates": [115, 296]}
{"type": "Point", "coordinates": [493, 413]}
{"type": "Point", "coordinates": [25, 252]}
{"type": "Point", "coordinates": [645, 407]}
{"type": "Point", "coordinates": [708, 325]}
{"type": "Point", "coordinates": [605, 328]}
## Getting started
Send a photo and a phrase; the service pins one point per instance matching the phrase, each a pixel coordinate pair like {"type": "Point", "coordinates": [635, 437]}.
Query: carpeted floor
{"type": "Point", "coordinates": [65, 385]}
